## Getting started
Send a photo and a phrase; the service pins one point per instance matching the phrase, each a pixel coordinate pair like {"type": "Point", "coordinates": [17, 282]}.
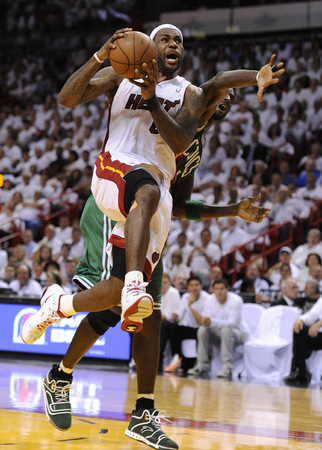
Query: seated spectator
{"type": "Point", "coordinates": [64, 230]}
{"type": "Point", "coordinates": [220, 324]}
{"type": "Point", "coordinates": [9, 273]}
{"type": "Point", "coordinates": [28, 243]}
{"type": "Point", "coordinates": [233, 237]}
{"type": "Point", "coordinates": [24, 284]}
{"type": "Point", "coordinates": [21, 255]}
{"type": "Point", "coordinates": [170, 305]}
{"type": "Point", "coordinates": [187, 320]}
{"type": "Point", "coordinates": [68, 284]}
{"type": "Point", "coordinates": [29, 212]}
{"type": "Point", "coordinates": [175, 265]}
{"type": "Point", "coordinates": [307, 336]}
{"type": "Point", "coordinates": [305, 274]}
{"type": "Point", "coordinates": [253, 273]}
{"type": "Point", "coordinates": [204, 256]}
{"type": "Point", "coordinates": [51, 240]}
{"type": "Point", "coordinates": [313, 245]}
{"type": "Point", "coordinates": [182, 245]}
{"type": "Point", "coordinates": [311, 295]}
{"type": "Point", "coordinates": [180, 283]}
{"type": "Point", "coordinates": [289, 292]}
{"type": "Point", "coordinates": [53, 277]}
{"type": "Point", "coordinates": [215, 273]}
{"type": "Point", "coordinates": [308, 194]}
{"type": "Point", "coordinates": [284, 257]}
{"type": "Point", "coordinates": [77, 245]}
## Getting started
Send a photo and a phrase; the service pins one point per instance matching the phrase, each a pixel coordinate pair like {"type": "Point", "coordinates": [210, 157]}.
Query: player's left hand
{"type": "Point", "coordinates": [268, 75]}
{"type": "Point", "coordinates": [149, 77]}
{"type": "Point", "coordinates": [314, 329]}
{"type": "Point", "coordinates": [248, 211]}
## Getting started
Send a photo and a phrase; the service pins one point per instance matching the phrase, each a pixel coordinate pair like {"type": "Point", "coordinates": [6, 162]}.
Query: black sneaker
{"type": "Point", "coordinates": [56, 396]}
{"type": "Point", "coordinates": [145, 426]}
{"type": "Point", "coordinates": [298, 378]}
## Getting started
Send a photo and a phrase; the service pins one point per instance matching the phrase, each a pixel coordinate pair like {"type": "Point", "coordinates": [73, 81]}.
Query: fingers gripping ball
{"type": "Point", "coordinates": [131, 51]}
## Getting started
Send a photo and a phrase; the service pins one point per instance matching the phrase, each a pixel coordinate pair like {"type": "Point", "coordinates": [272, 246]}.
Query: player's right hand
{"type": "Point", "coordinates": [104, 52]}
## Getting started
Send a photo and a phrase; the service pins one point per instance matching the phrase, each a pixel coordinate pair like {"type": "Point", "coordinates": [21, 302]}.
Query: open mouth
{"type": "Point", "coordinates": [172, 57]}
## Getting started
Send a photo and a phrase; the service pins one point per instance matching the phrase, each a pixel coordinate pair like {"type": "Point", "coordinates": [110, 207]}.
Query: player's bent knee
{"type": "Point", "coordinates": [101, 321]}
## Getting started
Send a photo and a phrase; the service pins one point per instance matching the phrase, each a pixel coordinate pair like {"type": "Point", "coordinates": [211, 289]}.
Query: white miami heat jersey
{"type": "Point", "coordinates": [131, 129]}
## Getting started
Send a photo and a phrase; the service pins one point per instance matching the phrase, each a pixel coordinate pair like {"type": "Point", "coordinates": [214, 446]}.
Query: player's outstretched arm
{"type": "Point", "coordinates": [194, 210]}
{"type": "Point", "coordinates": [216, 88]}
{"type": "Point", "coordinates": [85, 84]}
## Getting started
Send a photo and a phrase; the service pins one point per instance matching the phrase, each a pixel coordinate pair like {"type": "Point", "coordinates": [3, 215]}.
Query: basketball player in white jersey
{"type": "Point", "coordinates": [149, 123]}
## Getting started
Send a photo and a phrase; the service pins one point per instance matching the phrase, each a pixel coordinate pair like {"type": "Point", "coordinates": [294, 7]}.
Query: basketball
{"type": "Point", "coordinates": [131, 51]}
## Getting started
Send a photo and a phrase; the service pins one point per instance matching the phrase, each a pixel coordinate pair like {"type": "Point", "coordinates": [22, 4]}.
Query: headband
{"type": "Point", "coordinates": [161, 27]}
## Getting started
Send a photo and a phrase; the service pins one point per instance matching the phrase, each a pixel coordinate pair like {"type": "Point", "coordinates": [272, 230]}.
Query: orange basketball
{"type": "Point", "coordinates": [132, 50]}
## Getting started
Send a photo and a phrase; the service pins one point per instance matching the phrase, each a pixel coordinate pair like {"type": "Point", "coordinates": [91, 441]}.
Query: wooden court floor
{"type": "Point", "coordinates": [205, 414]}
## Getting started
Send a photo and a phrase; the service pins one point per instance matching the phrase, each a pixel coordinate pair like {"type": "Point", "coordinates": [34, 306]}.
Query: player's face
{"type": "Point", "coordinates": [224, 106]}
{"type": "Point", "coordinates": [170, 50]}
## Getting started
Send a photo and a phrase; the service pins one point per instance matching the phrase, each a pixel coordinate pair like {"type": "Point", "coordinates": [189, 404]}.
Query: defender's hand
{"type": "Point", "coordinates": [248, 211]}
{"type": "Point", "coordinates": [268, 75]}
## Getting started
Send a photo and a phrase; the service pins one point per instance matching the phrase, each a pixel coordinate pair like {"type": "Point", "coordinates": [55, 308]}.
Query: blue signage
{"type": "Point", "coordinates": [115, 344]}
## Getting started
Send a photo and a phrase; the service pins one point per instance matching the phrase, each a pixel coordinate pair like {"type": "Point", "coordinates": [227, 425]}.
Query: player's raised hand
{"type": "Point", "coordinates": [267, 75]}
{"type": "Point", "coordinates": [146, 78]}
{"type": "Point", "coordinates": [104, 52]}
{"type": "Point", "coordinates": [250, 212]}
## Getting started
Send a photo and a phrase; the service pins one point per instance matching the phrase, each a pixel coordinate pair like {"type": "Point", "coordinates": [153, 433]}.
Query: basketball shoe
{"type": "Point", "coordinates": [56, 389]}
{"type": "Point", "coordinates": [48, 314]}
{"type": "Point", "coordinates": [145, 426]}
{"type": "Point", "coordinates": [136, 305]}
{"type": "Point", "coordinates": [174, 365]}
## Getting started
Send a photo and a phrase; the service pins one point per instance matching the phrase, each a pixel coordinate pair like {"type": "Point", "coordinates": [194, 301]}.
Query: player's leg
{"type": "Point", "coordinates": [145, 351]}
{"type": "Point", "coordinates": [141, 200]}
{"type": "Point", "coordinates": [57, 383]}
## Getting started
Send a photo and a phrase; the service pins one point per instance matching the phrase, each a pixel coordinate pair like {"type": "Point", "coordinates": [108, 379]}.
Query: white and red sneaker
{"type": "Point", "coordinates": [48, 314]}
{"type": "Point", "coordinates": [136, 306]}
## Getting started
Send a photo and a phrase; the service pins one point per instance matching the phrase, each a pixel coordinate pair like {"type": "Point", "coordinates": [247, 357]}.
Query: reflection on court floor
{"type": "Point", "coordinates": [206, 414]}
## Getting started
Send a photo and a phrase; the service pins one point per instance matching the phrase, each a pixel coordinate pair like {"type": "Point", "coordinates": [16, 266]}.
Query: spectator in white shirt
{"type": "Point", "coordinates": [64, 230]}
{"type": "Point", "coordinates": [77, 246]}
{"type": "Point", "coordinates": [203, 256]}
{"type": "Point", "coordinates": [24, 284]}
{"type": "Point", "coordinates": [221, 324]}
{"type": "Point", "coordinates": [189, 318]}
{"type": "Point", "coordinates": [307, 336]}
{"type": "Point", "coordinates": [51, 240]}
{"type": "Point", "coordinates": [313, 245]}
{"type": "Point", "coordinates": [253, 273]}
{"type": "Point", "coordinates": [233, 237]}
{"type": "Point", "coordinates": [173, 264]}
{"type": "Point", "coordinates": [284, 257]}
{"type": "Point", "coordinates": [183, 246]}
{"type": "Point", "coordinates": [308, 194]}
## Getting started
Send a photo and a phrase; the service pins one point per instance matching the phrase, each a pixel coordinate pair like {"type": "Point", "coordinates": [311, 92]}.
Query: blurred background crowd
{"type": "Point", "coordinates": [47, 152]}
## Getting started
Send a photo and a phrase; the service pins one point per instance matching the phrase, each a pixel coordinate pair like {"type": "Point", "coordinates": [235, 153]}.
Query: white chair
{"type": "Point", "coordinates": [268, 355]}
{"type": "Point", "coordinates": [314, 364]}
{"type": "Point", "coordinates": [250, 316]}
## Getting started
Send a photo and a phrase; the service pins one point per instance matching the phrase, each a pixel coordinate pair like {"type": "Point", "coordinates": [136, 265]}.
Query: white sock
{"type": "Point", "coordinates": [150, 396]}
{"type": "Point", "coordinates": [66, 305]}
{"type": "Point", "coordinates": [64, 369]}
{"type": "Point", "coordinates": [133, 276]}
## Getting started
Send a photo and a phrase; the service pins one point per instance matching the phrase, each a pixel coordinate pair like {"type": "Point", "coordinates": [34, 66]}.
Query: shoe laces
{"type": "Point", "coordinates": [157, 416]}
{"type": "Point", "coordinates": [61, 392]}
{"type": "Point", "coordinates": [136, 284]}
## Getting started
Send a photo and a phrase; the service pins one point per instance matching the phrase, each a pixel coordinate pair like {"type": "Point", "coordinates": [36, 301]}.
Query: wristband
{"type": "Point", "coordinates": [192, 209]}
{"type": "Point", "coordinates": [152, 103]}
{"type": "Point", "coordinates": [97, 58]}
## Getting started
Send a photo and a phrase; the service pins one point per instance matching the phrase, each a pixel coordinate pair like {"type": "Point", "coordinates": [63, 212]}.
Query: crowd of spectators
{"type": "Point", "coordinates": [46, 151]}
